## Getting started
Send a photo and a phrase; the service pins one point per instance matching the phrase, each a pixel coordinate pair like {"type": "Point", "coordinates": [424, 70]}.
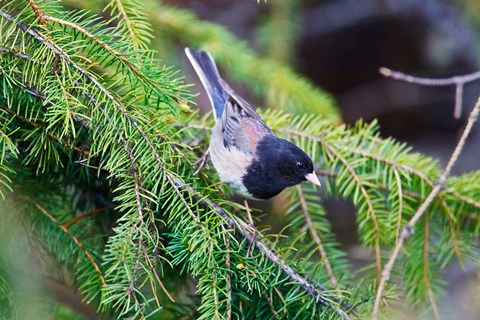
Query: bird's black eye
{"type": "Point", "coordinates": [300, 165]}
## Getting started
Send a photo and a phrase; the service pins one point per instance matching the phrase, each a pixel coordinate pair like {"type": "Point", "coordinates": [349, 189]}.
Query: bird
{"type": "Point", "coordinates": [245, 152]}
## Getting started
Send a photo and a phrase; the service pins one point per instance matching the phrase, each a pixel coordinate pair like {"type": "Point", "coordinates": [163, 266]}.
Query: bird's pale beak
{"type": "Point", "coordinates": [312, 177]}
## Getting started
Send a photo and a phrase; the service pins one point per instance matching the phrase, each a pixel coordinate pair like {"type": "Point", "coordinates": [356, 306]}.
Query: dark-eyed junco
{"type": "Point", "coordinates": [244, 150]}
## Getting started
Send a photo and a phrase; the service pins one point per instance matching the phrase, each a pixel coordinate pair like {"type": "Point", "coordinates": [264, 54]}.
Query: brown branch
{"type": "Point", "coordinates": [38, 12]}
{"type": "Point", "coordinates": [407, 230]}
{"type": "Point", "coordinates": [84, 215]}
{"type": "Point", "coordinates": [74, 238]}
{"type": "Point", "coordinates": [426, 277]}
{"type": "Point", "coordinates": [126, 19]}
{"type": "Point", "coordinates": [457, 81]}
{"type": "Point", "coordinates": [316, 237]}
{"type": "Point", "coordinates": [139, 224]}
{"type": "Point", "coordinates": [400, 200]}
{"type": "Point", "coordinates": [152, 268]}
{"type": "Point", "coordinates": [229, 276]}
{"type": "Point", "coordinates": [270, 303]}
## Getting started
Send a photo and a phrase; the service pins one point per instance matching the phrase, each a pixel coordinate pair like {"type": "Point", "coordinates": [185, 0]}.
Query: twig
{"type": "Point", "coordinates": [407, 230]}
{"type": "Point", "coordinates": [426, 278]}
{"type": "Point", "coordinates": [457, 81]}
{"type": "Point", "coordinates": [38, 13]}
{"type": "Point", "coordinates": [270, 303]}
{"type": "Point", "coordinates": [368, 200]}
{"type": "Point", "coordinates": [127, 21]}
{"type": "Point", "coordinates": [152, 268]}
{"type": "Point", "coordinates": [74, 238]}
{"type": "Point", "coordinates": [229, 276]}
{"type": "Point", "coordinates": [84, 215]}
{"type": "Point", "coordinates": [316, 237]}
{"type": "Point", "coordinates": [139, 224]}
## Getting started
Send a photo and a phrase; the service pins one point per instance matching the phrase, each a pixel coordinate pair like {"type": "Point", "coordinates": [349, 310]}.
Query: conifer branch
{"type": "Point", "coordinates": [407, 230]}
{"type": "Point", "coordinates": [126, 19]}
{"type": "Point", "coordinates": [400, 200]}
{"type": "Point", "coordinates": [77, 242]}
{"type": "Point", "coordinates": [37, 125]}
{"type": "Point", "coordinates": [38, 13]}
{"type": "Point", "coordinates": [316, 237]}
{"type": "Point", "coordinates": [85, 215]}
{"type": "Point", "coordinates": [371, 211]}
{"type": "Point", "coordinates": [270, 304]}
{"type": "Point", "coordinates": [428, 285]}
{"type": "Point", "coordinates": [390, 163]}
{"type": "Point", "coordinates": [313, 290]}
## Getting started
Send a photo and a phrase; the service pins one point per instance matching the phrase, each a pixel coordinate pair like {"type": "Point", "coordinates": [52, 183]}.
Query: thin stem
{"type": "Point", "coordinates": [430, 81]}
{"type": "Point", "coordinates": [426, 277]}
{"type": "Point", "coordinates": [74, 238]}
{"type": "Point", "coordinates": [457, 81]}
{"type": "Point", "coordinates": [84, 215]}
{"type": "Point", "coordinates": [316, 238]}
{"type": "Point", "coordinates": [38, 13]}
{"type": "Point", "coordinates": [407, 230]}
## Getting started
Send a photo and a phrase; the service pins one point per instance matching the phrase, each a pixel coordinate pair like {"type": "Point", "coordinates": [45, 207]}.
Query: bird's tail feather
{"type": "Point", "coordinates": [207, 71]}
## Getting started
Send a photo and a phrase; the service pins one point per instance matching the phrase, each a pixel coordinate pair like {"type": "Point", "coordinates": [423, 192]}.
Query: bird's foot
{"type": "Point", "coordinates": [201, 162]}
{"type": "Point", "coordinates": [251, 225]}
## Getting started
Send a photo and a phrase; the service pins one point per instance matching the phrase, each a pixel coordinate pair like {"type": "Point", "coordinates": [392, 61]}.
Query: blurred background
{"type": "Point", "coordinates": [340, 45]}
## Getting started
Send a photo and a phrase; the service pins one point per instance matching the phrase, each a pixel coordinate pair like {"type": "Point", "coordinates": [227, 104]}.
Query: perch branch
{"type": "Point", "coordinates": [407, 230]}
{"type": "Point", "coordinates": [457, 81]}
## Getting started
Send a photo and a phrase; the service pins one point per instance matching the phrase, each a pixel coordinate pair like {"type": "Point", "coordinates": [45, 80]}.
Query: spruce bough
{"type": "Point", "coordinates": [98, 145]}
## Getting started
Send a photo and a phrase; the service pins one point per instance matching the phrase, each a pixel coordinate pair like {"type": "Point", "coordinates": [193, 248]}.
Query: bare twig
{"type": "Point", "coordinates": [316, 238]}
{"type": "Point", "coordinates": [430, 81]}
{"type": "Point", "coordinates": [407, 230]}
{"type": "Point", "coordinates": [457, 81]}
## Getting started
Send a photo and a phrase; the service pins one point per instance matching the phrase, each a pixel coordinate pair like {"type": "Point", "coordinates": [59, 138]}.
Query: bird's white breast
{"type": "Point", "coordinates": [230, 163]}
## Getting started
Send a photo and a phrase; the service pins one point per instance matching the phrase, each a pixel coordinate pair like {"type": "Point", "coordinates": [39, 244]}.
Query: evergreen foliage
{"type": "Point", "coordinates": [98, 145]}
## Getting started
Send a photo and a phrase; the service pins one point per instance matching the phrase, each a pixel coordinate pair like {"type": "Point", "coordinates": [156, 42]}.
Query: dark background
{"type": "Point", "coordinates": [340, 45]}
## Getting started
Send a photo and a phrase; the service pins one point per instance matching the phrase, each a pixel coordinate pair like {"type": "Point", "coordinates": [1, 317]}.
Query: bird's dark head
{"type": "Point", "coordinates": [278, 164]}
